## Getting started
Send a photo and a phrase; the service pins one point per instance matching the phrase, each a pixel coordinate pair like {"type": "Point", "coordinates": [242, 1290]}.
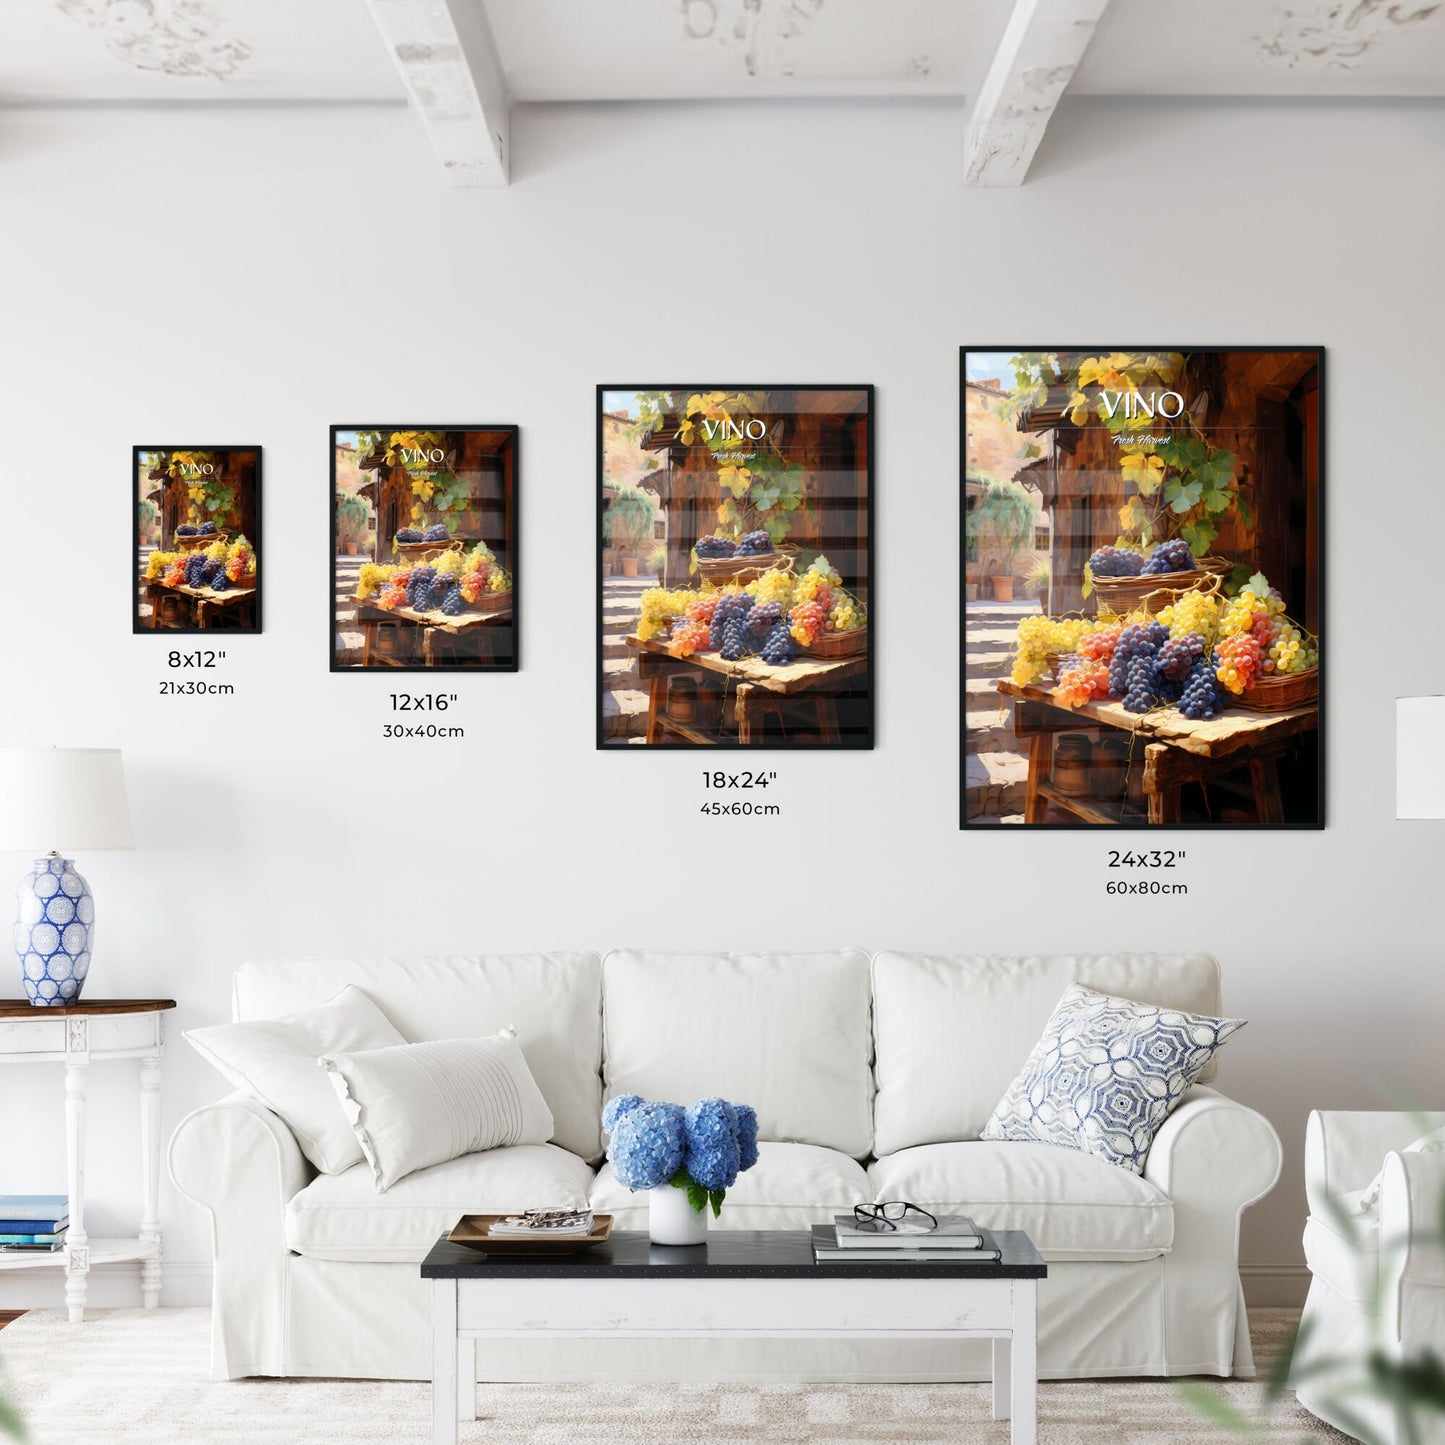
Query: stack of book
{"type": "Point", "coordinates": [546, 1223]}
{"type": "Point", "coordinates": [33, 1221]}
{"type": "Point", "coordinates": [956, 1239]}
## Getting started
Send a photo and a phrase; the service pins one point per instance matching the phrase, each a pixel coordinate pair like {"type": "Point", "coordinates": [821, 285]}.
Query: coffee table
{"type": "Point", "coordinates": [740, 1284]}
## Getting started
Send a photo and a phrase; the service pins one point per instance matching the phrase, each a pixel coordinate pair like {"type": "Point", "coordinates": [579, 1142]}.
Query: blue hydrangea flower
{"type": "Point", "coordinates": [647, 1145]}
{"type": "Point", "coordinates": [747, 1127]}
{"type": "Point", "coordinates": [713, 1156]}
{"type": "Point", "coordinates": [616, 1108]}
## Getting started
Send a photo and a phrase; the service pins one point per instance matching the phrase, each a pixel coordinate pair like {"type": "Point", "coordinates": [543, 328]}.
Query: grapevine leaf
{"type": "Point", "coordinates": [1185, 495]}
{"type": "Point", "coordinates": [1246, 511]}
{"type": "Point", "coordinates": [1088, 587]}
{"type": "Point", "coordinates": [1258, 584]}
{"type": "Point", "coordinates": [1200, 535]}
{"type": "Point", "coordinates": [1145, 471]}
{"type": "Point", "coordinates": [1218, 500]}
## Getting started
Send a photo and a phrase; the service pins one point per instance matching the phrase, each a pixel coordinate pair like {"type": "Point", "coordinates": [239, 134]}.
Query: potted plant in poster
{"type": "Point", "coordinates": [627, 523]}
{"type": "Point", "coordinates": [1007, 514]}
{"type": "Point", "coordinates": [687, 1159]}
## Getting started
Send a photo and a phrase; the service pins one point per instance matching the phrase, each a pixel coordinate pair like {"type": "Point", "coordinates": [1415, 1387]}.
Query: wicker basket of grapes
{"type": "Point", "coordinates": [192, 541]}
{"type": "Point", "coordinates": [1283, 692]}
{"type": "Point", "coordinates": [721, 560]}
{"type": "Point", "coordinates": [839, 644]}
{"type": "Point", "coordinates": [1125, 580]}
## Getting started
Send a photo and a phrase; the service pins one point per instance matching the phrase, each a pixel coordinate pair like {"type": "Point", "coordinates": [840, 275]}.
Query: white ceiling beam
{"type": "Point", "coordinates": [1041, 48]}
{"type": "Point", "coordinates": [448, 62]}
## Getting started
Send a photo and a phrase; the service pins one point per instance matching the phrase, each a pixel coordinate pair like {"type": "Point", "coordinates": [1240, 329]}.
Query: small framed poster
{"type": "Point", "coordinates": [196, 530]}
{"type": "Point", "coordinates": [424, 548]}
{"type": "Point", "coordinates": [1143, 587]}
{"type": "Point", "coordinates": [735, 566]}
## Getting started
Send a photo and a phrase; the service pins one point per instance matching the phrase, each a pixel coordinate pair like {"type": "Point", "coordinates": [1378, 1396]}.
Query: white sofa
{"type": "Point", "coordinates": [1365, 1295]}
{"type": "Point", "coordinates": [872, 1079]}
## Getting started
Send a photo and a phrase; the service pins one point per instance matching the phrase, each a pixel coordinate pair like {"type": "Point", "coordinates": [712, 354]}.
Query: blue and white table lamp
{"type": "Point", "coordinates": [72, 800]}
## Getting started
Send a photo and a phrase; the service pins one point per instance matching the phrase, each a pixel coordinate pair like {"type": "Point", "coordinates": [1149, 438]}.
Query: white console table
{"type": "Point", "coordinates": [76, 1036]}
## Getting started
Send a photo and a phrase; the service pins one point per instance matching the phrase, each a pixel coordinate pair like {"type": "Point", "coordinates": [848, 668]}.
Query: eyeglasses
{"type": "Point", "coordinates": [881, 1218]}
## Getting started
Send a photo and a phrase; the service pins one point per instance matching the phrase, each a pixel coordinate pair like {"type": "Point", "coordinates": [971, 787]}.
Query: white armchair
{"type": "Point", "coordinates": [1378, 1277]}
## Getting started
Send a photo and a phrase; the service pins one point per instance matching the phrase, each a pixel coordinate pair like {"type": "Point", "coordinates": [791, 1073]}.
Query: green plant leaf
{"type": "Point", "coordinates": [10, 1422]}
{"type": "Point", "coordinates": [715, 1198]}
{"type": "Point", "coordinates": [696, 1196]}
{"type": "Point", "coordinates": [1185, 496]}
{"type": "Point", "coordinates": [1200, 535]}
{"type": "Point", "coordinates": [1207, 1402]}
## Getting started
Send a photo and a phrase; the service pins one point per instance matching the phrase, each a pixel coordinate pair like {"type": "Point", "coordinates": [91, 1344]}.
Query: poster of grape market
{"type": "Point", "coordinates": [1141, 530]}
{"type": "Point", "coordinates": [735, 562]}
{"type": "Point", "coordinates": [196, 528]}
{"type": "Point", "coordinates": [424, 548]}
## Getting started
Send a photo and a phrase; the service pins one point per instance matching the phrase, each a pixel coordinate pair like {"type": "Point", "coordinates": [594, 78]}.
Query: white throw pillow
{"type": "Point", "coordinates": [1105, 1074]}
{"type": "Point", "coordinates": [274, 1061]}
{"type": "Point", "coordinates": [1431, 1143]}
{"type": "Point", "coordinates": [418, 1104]}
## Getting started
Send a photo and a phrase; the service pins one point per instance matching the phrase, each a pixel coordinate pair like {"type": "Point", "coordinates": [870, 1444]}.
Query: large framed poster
{"type": "Point", "coordinates": [1142, 589]}
{"type": "Point", "coordinates": [735, 566]}
{"type": "Point", "coordinates": [195, 529]}
{"type": "Point", "coordinates": [424, 548]}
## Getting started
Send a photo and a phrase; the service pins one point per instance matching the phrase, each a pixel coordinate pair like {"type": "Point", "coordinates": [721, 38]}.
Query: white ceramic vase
{"type": "Point", "coordinates": [672, 1220]}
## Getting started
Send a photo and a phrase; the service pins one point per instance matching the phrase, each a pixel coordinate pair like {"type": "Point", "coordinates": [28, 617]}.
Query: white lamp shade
{"type": "Point", "coordinates": [1420, 757]}
{"type": "Point", "coordinates": [70, 800]}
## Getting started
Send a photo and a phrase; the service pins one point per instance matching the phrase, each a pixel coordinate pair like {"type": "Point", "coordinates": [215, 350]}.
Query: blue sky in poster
{"type": "Point", "coordinates": [989, 366]}
{"type": "Point", "coordinates": [620, 401]}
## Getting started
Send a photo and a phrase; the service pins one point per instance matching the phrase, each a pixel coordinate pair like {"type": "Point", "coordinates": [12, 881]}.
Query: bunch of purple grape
{"type": "Point", "coordinates": [1171, 556]}
{"type": "Point", "coordinates": [418, 589]}
{"type": "Point", "coordinates": [1133, 670]}
{"type": "Point", "coordinates": [731, 612]}
{"type": "Point", "coordinates": [709, 548]}
{"type": "Point", "coordinates": [754, 545]}
{"type": "Point", "coordinates": [1180, 654]}
{"type": "Point", "coordinates": [1203, 694]}
{"type": "Point", "coordinates": [1116, 562]}
{"type": "Point", "coordinates": [411, 534]}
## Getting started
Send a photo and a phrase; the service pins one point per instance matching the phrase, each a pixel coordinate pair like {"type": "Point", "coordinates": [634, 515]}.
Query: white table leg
{"type": "Point", "coordinates": [444, 1352]}
{"type": "Point", "coordinates": [1025, 1363]}
{"type": "Point", "coordinates": [466, 1379]}
{"type": "Point", "coordinates": [1002, 1371]}
{"type": "Point", "coordinates": [150, 1148]}
{"type": "Point", "coordinates": [77, 1249]}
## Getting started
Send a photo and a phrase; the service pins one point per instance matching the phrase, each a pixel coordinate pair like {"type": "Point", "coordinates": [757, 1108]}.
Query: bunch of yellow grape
{"type": "Point", "coordinates": [774, 586]}
{"type": "Point", "coordinates": [1037, 637]}
{"type": "Point", "coordinates": [1291, 650]}
{"type": "Point", "coordinates": [1195, 611]}
{"type": "Point", "coordinates": [216, 552]}
{"type": "Point", "coordinates": [847, 614]}
{"type": "Point", "coordinates": [660, 606]}
{"type": "Point", "coordinates": [158, 562]}
{"type": "Point", "coordinates": [480, 555]}
{"type": "Point", "coordinates": [1247, 607]}
{"type": "Point", "coordinates": [372, 578]}
{"type": "Point", "coordinates": [449, 564]}
{"type": "Point", "coordinates": [499, 580]}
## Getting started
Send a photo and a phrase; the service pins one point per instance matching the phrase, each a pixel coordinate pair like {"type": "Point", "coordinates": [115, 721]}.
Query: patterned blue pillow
{"type": "Point", "coordinates": [1106, 1074]}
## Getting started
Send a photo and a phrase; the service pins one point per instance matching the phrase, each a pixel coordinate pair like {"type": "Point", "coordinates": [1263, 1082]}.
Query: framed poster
{"type": "Point", "coordinates": [424, 548]}
{"type": "Point", "coordinates": [1142, 590]}
{"type": "Point", "coordinates": [196, 527]}
{"type": "Point", "coordinates": [734, 566]}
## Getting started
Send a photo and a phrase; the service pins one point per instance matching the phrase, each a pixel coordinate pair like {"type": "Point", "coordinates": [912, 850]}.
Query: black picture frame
{"type": "Point", "coordinates": [513, 504]}
{"type": "Point", "coordinates": [866, 738]}
{"type": "Point", "coordinates": [1137, 825]}
{"type": "Point", "coordinates": [138, 582]}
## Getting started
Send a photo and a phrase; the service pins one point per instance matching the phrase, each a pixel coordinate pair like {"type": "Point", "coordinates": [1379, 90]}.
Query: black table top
{"type": "Point", "coordinates": [728, 1254]}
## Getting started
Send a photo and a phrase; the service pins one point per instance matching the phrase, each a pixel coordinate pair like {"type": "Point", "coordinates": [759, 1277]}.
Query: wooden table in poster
{"type": "Point", "coordinates": [761, 688]}
{"type": "Point", "coordinates": [209, 605]}
{"type": "Point", "coordinates": [1176, 751]}
{"type": "Point", "coordinates": [373, 618]}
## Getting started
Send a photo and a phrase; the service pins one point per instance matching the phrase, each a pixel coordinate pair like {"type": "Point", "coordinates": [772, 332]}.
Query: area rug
{"type": "Point", "coordinates": [140, 1376]}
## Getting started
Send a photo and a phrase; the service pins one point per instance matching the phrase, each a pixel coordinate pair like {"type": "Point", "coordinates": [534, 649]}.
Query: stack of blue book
{"type": "Point", "coordinates": [33, 1221]}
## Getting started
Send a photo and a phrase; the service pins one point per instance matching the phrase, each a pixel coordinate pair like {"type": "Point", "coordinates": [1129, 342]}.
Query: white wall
{"type": "Point", "coordinates": [254, 276]}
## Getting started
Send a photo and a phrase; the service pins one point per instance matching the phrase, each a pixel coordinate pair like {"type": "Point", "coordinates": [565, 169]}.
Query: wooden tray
{"type": "Point", "coordinates": [471, 1230]}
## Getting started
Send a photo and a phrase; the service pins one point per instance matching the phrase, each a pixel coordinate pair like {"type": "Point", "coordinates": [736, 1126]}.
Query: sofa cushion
{"type": "Point", "coordinates": [341, 1216]}
{"type": "Point", "coordinates": [1105, 1074]}
{"type": "Point", "coordinates": [791, 1186]}
{"type": "Point", "coordinates": [788, 1033]}
{"type": "Point", "coordinates": [1072, 1205]}
{"type": "Point", "coordinates": [274, 1061]}
{"type": "Point", "coordinates": [951, 1033]}
{"type": "Point", "coordinates": [553, 1000]}
{"type": "Point", "coordinates": [415, 1105]}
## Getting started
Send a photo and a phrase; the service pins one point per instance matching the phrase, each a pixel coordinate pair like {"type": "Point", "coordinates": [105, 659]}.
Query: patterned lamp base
{"type": "Point", "coordinates": [54, 926]}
